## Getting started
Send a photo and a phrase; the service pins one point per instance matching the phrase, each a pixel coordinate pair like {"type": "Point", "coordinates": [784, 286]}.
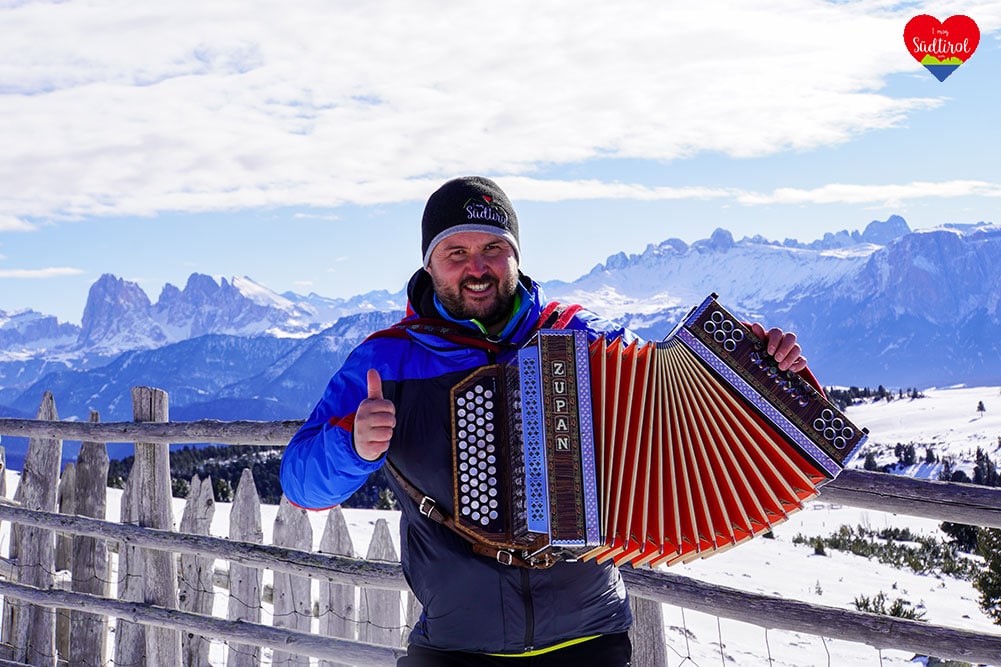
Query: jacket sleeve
{"type": "Point", "coordinates": [320, 467]}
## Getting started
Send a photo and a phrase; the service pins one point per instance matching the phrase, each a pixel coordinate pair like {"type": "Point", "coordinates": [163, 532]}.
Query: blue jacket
{"type": "Point", "coordinates": [471, 603]}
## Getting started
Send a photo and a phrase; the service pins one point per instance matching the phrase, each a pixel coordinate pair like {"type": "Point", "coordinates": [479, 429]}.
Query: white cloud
{"type": "Point", "coordinates": [888, 195]}
{"type": "Point", "coordinates": [51, 272]}
{"type": "Point", "coordinates": [135, 107]}
{"type": "Point", "coordinates": [9, 223]}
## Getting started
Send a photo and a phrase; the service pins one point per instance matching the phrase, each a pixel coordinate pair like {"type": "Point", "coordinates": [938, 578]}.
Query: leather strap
{"type": "Point", "coordinates": [427, 506]}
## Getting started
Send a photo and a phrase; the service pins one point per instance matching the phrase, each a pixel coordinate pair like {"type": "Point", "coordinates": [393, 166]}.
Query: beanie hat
{"type": "Point", "coordinates": [468, 204]}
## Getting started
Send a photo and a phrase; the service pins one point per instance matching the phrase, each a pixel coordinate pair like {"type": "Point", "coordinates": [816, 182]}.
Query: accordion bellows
{"type": "Point", "coordinates": [643, 454]}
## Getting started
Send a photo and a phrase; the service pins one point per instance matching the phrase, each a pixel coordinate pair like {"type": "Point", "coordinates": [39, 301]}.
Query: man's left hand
{"type": "Point", "coordinates": [782, 346]}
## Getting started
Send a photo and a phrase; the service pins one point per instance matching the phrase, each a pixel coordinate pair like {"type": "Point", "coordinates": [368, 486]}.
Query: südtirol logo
{"type": "Point", "coordinates": [941, 46]}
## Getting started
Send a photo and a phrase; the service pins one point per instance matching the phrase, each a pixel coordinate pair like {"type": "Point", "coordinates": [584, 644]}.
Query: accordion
{"type": "Point", "coordinates": [653, 453]}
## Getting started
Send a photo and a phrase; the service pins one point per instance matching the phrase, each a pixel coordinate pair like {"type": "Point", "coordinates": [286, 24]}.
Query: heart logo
{"type": "Point", "coordinates": [941, 46]}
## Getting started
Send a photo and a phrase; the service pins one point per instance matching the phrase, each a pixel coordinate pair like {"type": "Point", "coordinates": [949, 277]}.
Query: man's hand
{"type": "Point", "coordinates": [782, 346]}
{"type": "Point", "coordinates": [375, 420]}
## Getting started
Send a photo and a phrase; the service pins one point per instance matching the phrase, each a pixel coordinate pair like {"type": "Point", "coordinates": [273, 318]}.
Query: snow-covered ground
{"type": "Point", "coordinates": [947, 419]}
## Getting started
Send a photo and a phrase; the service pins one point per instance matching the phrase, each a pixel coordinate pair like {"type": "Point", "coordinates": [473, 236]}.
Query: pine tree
{"type": "Point", "coordinates": [870, 461]}
{"type": "Point", "coordinates": [387, 501]}
{"type": "Point", "coordinates": [963, 535]}
{"type": "Point", "coordinates": [985, 472]}
{"type": "Point", "coordinates": [988, 582]}
{"type": "Point", "coordinates": [223, 491]}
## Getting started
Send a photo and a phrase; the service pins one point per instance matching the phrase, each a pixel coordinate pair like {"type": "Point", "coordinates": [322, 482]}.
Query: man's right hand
{"type": "Point", "coordinates": [375, 420]}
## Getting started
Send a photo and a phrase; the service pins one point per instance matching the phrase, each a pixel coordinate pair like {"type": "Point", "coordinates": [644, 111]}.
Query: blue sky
{"type": "Point", "coordinates": [295, 143]}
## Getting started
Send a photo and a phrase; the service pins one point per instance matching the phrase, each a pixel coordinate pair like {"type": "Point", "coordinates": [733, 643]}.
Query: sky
{"type": "Point", "coordinates": [296, 143]}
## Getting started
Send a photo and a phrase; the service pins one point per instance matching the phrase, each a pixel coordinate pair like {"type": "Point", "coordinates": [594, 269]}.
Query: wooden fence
{"type": "Point", "coordinates": [157, 584]}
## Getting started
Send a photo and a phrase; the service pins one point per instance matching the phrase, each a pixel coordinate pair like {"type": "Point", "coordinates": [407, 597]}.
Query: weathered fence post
{"type": "Point", "coordinates": [244, 580]}
{"type": "Point", "coordinates": [647, 633]}
{"type": "Point", "coordinates": [31, 628]}
{"type": "Point", "coordinates": [152, 499]}
{"type": "Point", "coordinates": [195, 588]}
{"type": "Point", "coordinates": [292, 598]}
{"type": "Point", "coordinates": [88, 632]}
{"type": "Point", "coordinates": [130, 638]}
{"type": "Point", "coordinates": [64, 556]}
{"type": "Point", "coordinates": [379, 610]}
{"type": "Point", "coordinates": [3, 472]}
{"type": "Point", "coordinates": [337, 601]}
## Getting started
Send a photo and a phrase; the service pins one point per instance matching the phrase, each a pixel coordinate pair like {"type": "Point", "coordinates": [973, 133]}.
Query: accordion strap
{"type": "Point", "coordinates": [427, 506]}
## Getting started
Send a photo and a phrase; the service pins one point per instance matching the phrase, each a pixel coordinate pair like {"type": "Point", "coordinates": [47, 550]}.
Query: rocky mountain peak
{"type": "Point", "coordinates": [886, 231]}
{"type": "Point", "coordinates": [117, 313]}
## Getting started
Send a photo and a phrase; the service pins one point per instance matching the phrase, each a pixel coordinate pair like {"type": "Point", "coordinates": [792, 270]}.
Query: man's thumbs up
{"type": "Point", "coordinates": [374, 384]}
{"type": "Point", "coordinates": [375, 420]}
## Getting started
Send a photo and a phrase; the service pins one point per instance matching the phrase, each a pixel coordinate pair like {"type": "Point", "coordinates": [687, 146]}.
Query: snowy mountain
{"type": "Point", "coordinates": [120, 317]}
{"type": "Point", "coordinates": [883, 307]}
{"type": "Point", "coordinates": [24, 332]}
{"type": "Point", "coordinates": [922, 309]}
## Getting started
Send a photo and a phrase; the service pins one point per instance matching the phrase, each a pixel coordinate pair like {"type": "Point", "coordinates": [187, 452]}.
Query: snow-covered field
{"type": "Point", "coordinates": [947, 419]}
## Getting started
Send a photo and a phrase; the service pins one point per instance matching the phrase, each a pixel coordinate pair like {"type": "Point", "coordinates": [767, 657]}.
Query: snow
{"type": "Point", "coordinates": [663, 278]}
{"type": "Point", "coordinates": [946, 417]}
{"type": "Point", "coordinates": [260, 294]}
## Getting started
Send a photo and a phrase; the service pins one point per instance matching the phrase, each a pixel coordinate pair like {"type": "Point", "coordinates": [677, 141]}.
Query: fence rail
{"type": "Point", "coordinates": [942, 501]}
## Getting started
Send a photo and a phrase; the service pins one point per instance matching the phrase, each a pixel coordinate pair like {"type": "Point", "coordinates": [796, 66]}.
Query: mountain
{"type": "Point", "coordinates": [119, 317]}
{"type": "Point", "coordinates": [886, 306]}
{"type": "Point", "coordinates": [214, 376]}
{"type": "Point", "coordinates": [920, 309]}
{"type": "Point", "coordinates": [24, 331]}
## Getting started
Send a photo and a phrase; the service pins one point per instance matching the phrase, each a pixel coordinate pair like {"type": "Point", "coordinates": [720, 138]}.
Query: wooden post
{"type": "Point", "coordinates": [195, 588]}
{"type": "Point", "coordinates": [379, 610]}
{"type": "Point", "coordinates": [245, 580]}
{"type": "Point", "coordinates": [3, 472]}
{"type": "Point", "coordinates": [88, 632]}
{"type": "Point", "coordinates": [647, 633]}
{"type": "Point", "coordinates": [414, 611]}
{"type": "Point", "coordinates": [152, 498]}
{"type": "Point", "coordinates": [130, 637]}
{"type": "Point", "coordinates": [64, 557]}
{"type": "Point", "coordinates": [31, 629]}
{"type": "Point", "coordinates": [337, 601]}
{"type": "Point", "coordinates": [293, 601]}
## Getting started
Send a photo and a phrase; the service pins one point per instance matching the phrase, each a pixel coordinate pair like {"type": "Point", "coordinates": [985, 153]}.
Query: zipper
{"type": "Point", "coordinates": [526, 597]}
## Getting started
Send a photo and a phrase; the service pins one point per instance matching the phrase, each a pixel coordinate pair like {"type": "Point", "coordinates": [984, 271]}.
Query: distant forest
{"type": "Point", "coordinates": [845, 397]}
{"type": "Point", "coordinates": [225, 465]}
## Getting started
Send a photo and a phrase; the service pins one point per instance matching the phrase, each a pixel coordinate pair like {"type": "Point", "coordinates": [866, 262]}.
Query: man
{"type": "Point", "coordinates": [469, 306]}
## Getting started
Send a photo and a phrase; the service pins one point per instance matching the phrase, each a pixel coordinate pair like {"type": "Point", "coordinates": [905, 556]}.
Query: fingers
{"type": "Point", "coordinates": [782, 346]}
{"type": "Point", "coordinates": [374, 384]}
{"type": "Point", "coordinates": [375, 420]}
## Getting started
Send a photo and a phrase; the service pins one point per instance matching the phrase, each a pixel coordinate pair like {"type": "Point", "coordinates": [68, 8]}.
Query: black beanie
{"type": "Point", "coordinates": [468, 204]}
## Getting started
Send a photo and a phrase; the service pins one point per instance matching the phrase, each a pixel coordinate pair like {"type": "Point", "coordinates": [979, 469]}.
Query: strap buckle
{"type": "Point", "coordinates": [504, 561]}
{"type": "Point", "coordinates": [427, 506]}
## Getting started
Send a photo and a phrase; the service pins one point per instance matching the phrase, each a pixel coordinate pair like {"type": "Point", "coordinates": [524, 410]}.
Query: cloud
{"type": "Point", "coordinates": [129, 108]}
{"type": "Point", "coordinates": [888, 195]}
{"type": "Point", "coordinates": [9, 223]}
{"type": "Point", "coordinates": [51, 272]}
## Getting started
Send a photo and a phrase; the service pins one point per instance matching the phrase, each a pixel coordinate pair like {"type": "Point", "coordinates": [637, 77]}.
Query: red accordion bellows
{"type": "Point", "coordinates": [685, 466]}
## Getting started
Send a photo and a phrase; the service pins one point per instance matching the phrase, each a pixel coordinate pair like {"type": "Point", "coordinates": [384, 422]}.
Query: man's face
{"type": "Point", "coordinates": [475, 276]}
